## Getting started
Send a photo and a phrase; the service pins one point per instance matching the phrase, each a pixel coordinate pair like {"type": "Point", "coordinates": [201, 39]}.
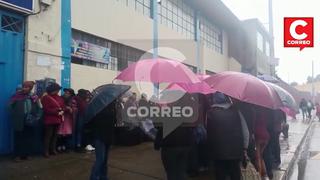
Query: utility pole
{"type": "Point", "coordinates": [312, 91]}
{"type": "Point", "coordinates": [155, 38]}
{"type": "Point", "coordinates": [272, 37]}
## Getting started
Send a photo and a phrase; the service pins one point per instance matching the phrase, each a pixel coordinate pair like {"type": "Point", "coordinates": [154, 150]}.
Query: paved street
{"type": "Point", "coordinates": [306, 167]}
{"type": "Point", "coordinates": [136, 162]}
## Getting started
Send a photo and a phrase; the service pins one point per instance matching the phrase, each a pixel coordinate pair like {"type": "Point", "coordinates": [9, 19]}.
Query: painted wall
{"type": "Point", "coordinates": [43, 41]}
{"type": "Point", "coordinates": [114, 21]}
{"type": "Point", "coordinates": [90, 77]}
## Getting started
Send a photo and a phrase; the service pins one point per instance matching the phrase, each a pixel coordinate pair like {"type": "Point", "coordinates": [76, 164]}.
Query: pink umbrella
{"type": "Point", "coordinates": [158, 71]}
{"type": "Point", "coordinates": [245, 87]}
{"type": "Point", "coordinates": [201, 87]}
{"type": "Point", "coordinates": [203, 76]}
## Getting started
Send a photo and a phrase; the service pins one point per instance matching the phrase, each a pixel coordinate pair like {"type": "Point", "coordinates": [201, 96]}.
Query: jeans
{"type": "Point", "coordinates": [175, 162]}
{"type": "Point", "coordinates": [99, 170]}
{"type": "Point", "coordinates": [78, 132]}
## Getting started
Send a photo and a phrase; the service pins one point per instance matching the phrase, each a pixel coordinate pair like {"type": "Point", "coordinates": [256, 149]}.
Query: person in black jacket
{"type": "Point", "coordinates": [227, 142]}
{"type": "Point", "coordinates": [102, 128]}
{"type": "Point", "coordinates": [174, 151]}
{"type": "Point", "coordinates": [176, 146]}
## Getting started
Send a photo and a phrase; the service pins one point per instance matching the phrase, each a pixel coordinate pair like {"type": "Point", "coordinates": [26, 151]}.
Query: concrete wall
{"type": "Point", "coordinates": [234, 65]}
{"type": "Point", "coordinates": [43, 41]}
{"type": "Point", "coordinates": [114, 21]}
{"type": "Point", "coordinates": [90, 77]}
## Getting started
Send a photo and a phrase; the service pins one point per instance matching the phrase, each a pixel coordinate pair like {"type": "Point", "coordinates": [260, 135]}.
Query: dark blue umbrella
{"type": "Point", "coordinates": [102, 97]}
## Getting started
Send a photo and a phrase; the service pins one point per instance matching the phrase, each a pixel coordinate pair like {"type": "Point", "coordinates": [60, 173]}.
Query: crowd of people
{"type": "Point", "coordinates": [58, 116]}
{"type": "Point", "coordinates": [232, 134]}
{"type": "Point", "coordinates": [228, 134]}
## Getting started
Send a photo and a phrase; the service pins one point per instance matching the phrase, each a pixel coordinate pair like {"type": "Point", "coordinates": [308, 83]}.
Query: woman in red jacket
{"type": "Point", "coordinates": [53, 108]}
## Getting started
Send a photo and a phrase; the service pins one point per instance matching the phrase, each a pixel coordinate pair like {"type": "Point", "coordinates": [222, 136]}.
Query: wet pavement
{"type": "Point", "coordinates": [139, 162]}
{"type": "Point", "coordinates": [306, 166]}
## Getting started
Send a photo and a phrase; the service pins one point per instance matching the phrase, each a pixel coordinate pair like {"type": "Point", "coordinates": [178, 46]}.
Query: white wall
{"type": "Point", "coordinates": [112, 20]}
{"type": "Point", "coordinates": [90, 77]}
{"type": "Point", "coordinates": [43, 39]}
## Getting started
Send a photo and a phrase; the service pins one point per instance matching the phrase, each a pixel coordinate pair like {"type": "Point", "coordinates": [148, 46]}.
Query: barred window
{"type": "Point", "coordinates": [211, 35]}
{"type": "Point", "coordinates": [178, 16]}
{"type": "Point", "coordinates": [141, 6]}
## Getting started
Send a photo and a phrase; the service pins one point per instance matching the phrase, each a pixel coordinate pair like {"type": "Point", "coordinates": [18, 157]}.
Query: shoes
{"type": "Point", "coordinates": [90, 148]}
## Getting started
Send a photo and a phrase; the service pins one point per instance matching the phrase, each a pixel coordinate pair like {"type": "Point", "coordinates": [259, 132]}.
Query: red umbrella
{"type": "Point", "coordinates": [158, 71]}
{"type": "Point", "coordinates": [245, 87]}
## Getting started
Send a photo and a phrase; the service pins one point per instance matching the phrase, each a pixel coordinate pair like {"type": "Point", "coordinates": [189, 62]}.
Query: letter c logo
{"type": "Point", "coordinates": [293, 28]}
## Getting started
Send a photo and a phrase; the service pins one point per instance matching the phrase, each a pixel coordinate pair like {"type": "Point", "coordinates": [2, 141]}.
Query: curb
{"type": "Point", "coordinates": [289, 169]}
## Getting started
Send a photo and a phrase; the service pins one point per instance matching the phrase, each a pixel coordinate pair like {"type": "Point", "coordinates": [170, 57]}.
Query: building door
{"type": "Point", "coordinates": [11, 70]}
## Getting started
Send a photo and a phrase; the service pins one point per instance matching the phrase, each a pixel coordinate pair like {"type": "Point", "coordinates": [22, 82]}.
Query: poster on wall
{"type": "Point", "coordinates": [20, 5]}
{"type": "Point", "coordinates": [88, 51]}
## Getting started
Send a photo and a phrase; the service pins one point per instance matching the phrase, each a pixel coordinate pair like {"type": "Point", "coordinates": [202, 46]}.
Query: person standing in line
{"type": "Point", "coordinates": [66, 127]}
{"type": "Point", "coordinates": [279, 125]}
{"type": "Point", "coordinates": [248, 112]}
{"type": "Point", "coordinates": [24, 104]}
{"type": "Point", "coordinates": [82, 101]}
{"type": "Point", "coordinates": [102, 127]}
{"type": "Point", "coordinates": [270, 152]}
{"type": "Point", "coordinates": [54, 108]}
{"type": "Point", "coordinates": [262, 138]}
{"type": "Point", "coordinates": [176, 146]}
{"type": "Point", "coordinates": [227, 137]}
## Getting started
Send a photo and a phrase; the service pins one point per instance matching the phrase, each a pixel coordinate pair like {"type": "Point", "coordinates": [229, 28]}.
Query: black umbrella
{"type": "Point", "coordinates": [102, 97]}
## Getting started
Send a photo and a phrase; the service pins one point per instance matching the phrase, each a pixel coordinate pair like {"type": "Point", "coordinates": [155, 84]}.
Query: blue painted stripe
{"type": "Point", "coordinates": [66, 43]}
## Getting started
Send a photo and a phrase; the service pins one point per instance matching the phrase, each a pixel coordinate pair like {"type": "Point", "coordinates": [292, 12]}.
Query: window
{"type": "Point", "coordinates": [178, 16]}
{"type": "Point", "coordinates": [260, 41]}
{"type": "Point", "coordinates": [10, 23]}
{"type": "Point", "coordinates": [141, 6]}
{"type": "Point", "coordinates": [211, 36]}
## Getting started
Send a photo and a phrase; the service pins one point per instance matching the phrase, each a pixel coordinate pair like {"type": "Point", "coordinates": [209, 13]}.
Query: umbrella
{"type": "Point", "coordinates": [246, 88]}
{"type": "Point", "coordinates": [102, 97]}
{"type": "Point", "coordinates": [268, 78]}
{"type": "Point", "coordinates": [158, 71]}
{"type": "Point", "coordinates": [203, 76]}
{"type": "Point", "coordinates": [290, 112]}
{"type": "Point", "coordinates": [201, 87]}
{"type": "Point", "coordinates": [286, 98]}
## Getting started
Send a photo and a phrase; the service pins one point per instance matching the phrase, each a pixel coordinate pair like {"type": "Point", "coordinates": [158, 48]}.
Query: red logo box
{"type": "Point", "coordinates": [298, 32]}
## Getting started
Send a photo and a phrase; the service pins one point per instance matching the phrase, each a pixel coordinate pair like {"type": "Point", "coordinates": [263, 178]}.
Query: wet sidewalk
{"type": "Point", "coordinates": [136, 162]}
{"type": "Point", "coordinates": [289, 147]}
